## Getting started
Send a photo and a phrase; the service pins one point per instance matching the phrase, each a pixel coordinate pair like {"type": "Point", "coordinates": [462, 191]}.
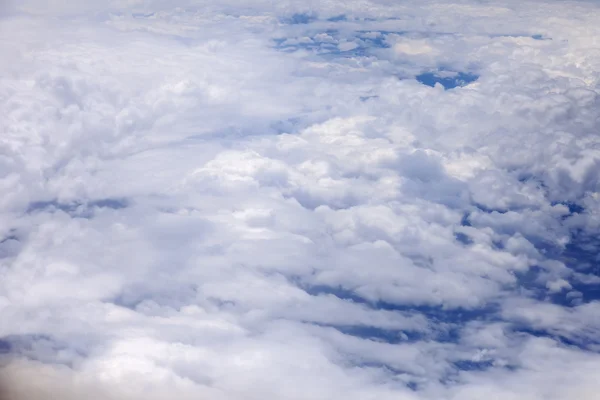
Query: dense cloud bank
{"type": "Point", "coordinates": [299, 200]}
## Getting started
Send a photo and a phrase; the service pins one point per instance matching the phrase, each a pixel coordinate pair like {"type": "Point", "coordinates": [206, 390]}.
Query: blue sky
{"type": "Point", "coordinates": [301, 200]}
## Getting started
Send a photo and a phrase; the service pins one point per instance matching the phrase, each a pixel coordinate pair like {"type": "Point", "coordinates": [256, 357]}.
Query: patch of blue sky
{"type": "Point", "coordinates": [472, 365]}
{"type": "Point", "coordinates": [463, 238]}
{"type": "Point", "coordinates": [582, 252]}
{"type": "Point", "coordinates": [332, 42]}
{"type": "Point", "coordinates": [449, 320]}
{"type": "Point", "coordinates": [377, 38]}
{"type": "Point", "coordinates": [318, 43]}
{"type": "Point", "coordinates": [448, 81]}
{"type": "Point", "coordinates": [453, 375]}
{"type": "Point", "coordinates": [581, 255]}
{"type": "Point", "coordinates": [579, 293]}
{"type": "Point", "coordinates": [531, 283]}
{"type": "Point", "coordinates": [588, 342]}
{"type": "Point", "coordinates": [465, 220]}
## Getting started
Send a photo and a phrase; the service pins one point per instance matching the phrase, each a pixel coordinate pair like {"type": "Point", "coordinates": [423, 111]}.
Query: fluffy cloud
{"type": "Point", "coordinates": [299, 201]}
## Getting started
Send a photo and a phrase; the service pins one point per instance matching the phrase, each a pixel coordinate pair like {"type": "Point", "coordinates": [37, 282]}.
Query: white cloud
{"type": "Point", "coordinates": [227, 201]}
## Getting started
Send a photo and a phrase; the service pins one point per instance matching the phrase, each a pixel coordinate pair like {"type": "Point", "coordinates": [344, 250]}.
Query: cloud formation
{"type": "Point", "coordinates": [302, 200]}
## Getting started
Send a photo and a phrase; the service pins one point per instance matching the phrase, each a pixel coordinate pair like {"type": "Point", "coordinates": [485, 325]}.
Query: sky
{"type": "Point", "coordinates": [299, 200]}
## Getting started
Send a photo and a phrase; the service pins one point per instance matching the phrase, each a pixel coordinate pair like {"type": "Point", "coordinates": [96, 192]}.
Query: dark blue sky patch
{"type": "Point", "coordinates": [573, 207]}
{"type": "Point", "coordinates": [529, 279]}
{"type": "Point", "coordinates": [577, 295]}
{"type": "Point", "coordinates": [465, 220]}
{"type": "Point", "coordinates": [547, 248]}
{"type": "Point", "coordinates": [453, 375]}
{"type": "Point", "coordinates": [448, 323]}
{"type": "Point", "coordinates": [582, 255]}
{"type": "Point", "coordinates": [581, 294]}
{"type": "Point", "coordinates": [463, 238]}
{"type": "Point", "coordinates": [532, 283]}
{"type": "Point", "coordinates": [449, 316]}
{"type": "Point", "coordinates": [437, 313]}
{"type": "Point", "coordinates": [448, 82]}
{"type": "Point", "coordinates": [581, 342]}
{"type": "Point", "coordinates": [498, 245]}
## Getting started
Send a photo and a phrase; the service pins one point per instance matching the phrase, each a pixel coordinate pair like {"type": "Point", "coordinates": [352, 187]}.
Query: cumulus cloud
{"type": "Point", "coordinates": [301, 200]}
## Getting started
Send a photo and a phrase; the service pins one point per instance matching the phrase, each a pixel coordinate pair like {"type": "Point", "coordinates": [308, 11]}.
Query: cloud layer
{"type": "Point", "coordinates": [307, 200]}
